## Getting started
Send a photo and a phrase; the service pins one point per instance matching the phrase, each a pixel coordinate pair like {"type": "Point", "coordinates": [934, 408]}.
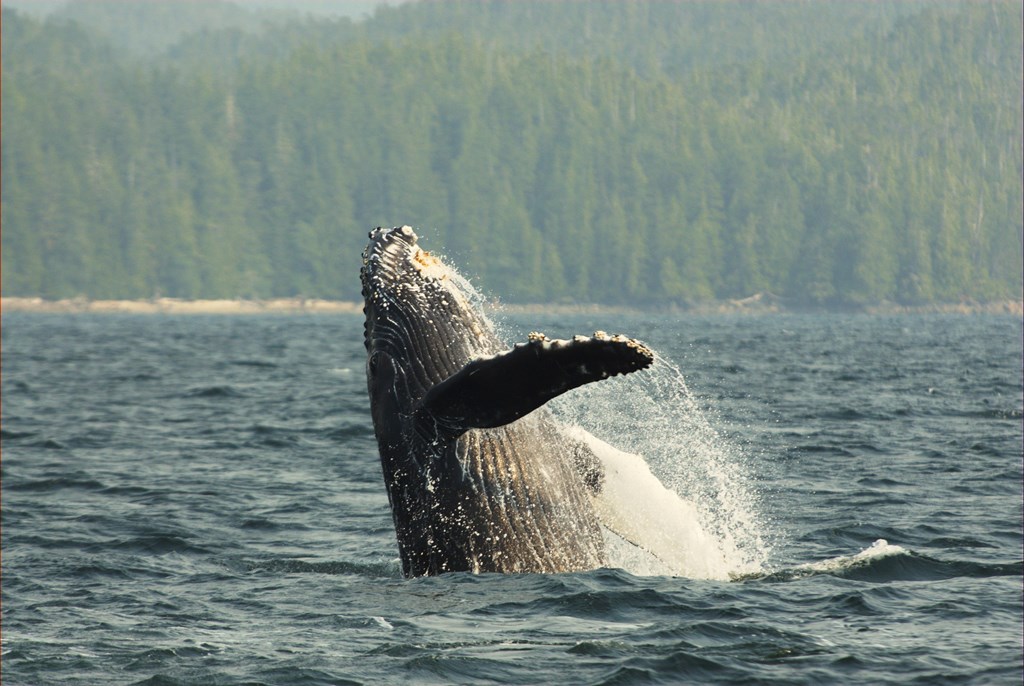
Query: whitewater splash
{"type": "Point", "coordinates": [877, 550]}
{"type": "Point", "coordinates": [663, 530]}
{"type": "Point", "coordinates": [838, 565]}
{"type": "Point", "coordinates": [677, 499]}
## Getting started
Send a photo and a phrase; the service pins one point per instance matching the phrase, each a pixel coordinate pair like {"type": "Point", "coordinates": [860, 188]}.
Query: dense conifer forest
{"type": "Point", "coordinates": [643, 153]}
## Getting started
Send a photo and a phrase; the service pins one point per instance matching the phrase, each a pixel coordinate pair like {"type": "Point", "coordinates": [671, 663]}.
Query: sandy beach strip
{"type": "Point", "coordinates": [179, 306]}
{"type": "Point", "coordinates": [754, 305]}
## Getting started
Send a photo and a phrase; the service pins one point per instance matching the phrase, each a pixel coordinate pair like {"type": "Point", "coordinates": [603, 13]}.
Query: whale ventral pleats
{"type": "Point", "coordinates": [474, 484]}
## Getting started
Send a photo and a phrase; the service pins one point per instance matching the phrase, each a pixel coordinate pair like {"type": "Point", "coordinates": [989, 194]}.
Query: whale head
{"type": "Point", "coordinates": [423, 322]}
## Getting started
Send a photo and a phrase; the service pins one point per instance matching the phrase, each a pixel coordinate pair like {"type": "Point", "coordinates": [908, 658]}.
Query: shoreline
{"type": "Point", "coordinates": [178, 306]}
{"type": "Point", "coordinates": [755, 305]}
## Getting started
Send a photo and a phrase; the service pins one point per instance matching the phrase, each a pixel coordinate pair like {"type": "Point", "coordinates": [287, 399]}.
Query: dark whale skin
{"type": "Point", "coordinates": [479, 475]}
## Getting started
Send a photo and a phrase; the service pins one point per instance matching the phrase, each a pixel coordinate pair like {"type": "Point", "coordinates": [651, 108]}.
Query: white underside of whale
{"type": "Point", "coordinates": [661, 532]}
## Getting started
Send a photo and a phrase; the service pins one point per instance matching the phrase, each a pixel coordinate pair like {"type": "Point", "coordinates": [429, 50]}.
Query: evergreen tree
{"type": "Point", "coordinates": [619, 153]}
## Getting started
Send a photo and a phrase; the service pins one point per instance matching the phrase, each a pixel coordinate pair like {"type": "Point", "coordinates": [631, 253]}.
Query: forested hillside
{"type": "Point", "coordinates": [831, 153]}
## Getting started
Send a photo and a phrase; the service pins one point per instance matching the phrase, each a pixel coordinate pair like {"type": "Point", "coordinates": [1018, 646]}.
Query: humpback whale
{"type": "Point", "coordinates": [479, 474]}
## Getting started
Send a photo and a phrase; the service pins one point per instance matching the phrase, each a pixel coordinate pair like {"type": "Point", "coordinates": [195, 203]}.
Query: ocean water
{"type": "Point", "coordinates": [198, 500]}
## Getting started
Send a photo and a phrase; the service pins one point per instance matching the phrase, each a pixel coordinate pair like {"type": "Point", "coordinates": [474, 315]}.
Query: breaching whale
{"type": "Point", "coordinates": [479, 474]}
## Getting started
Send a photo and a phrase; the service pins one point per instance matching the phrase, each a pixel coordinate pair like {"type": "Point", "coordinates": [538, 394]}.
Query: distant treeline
{"type": "Point", "coordinates": [831, 153]}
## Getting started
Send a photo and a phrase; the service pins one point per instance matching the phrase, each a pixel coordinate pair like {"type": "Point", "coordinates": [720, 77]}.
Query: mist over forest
{"type": "Point", "coordinates": [637, 153]}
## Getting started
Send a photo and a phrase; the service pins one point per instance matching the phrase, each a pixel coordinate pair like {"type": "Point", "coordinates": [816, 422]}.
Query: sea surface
{"type": "Point", "coordinates": [198, 500]}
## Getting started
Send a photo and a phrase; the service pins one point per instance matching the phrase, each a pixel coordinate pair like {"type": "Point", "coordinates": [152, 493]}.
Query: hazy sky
{"type": "Point", "coordinates": [350, 8]}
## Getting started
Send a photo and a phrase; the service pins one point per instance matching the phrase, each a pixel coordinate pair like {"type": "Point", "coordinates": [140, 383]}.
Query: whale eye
{"type": "Point", "coordinates": [373, 363]}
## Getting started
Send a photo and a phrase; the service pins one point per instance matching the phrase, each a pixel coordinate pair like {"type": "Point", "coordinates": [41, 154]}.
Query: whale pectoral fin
{"type": "Point", "coordinates": [495, 391]}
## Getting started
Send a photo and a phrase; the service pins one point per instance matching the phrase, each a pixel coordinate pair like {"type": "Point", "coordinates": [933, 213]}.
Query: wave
{"type": "Point", "coordinates": [213, 392]}
{"type": "Point", "coordinates": [7, 434]}
{"type": "Point", "coordinates": [991, 413]}
{"type": "Point", "coordinates": [883, 562]}
{"type": "Point", "coordinates": [272, 436]}
{"type": "Point", "coordinates": [349, 429]}
{"type": "Point", "coordinates": [384, 569]}
{"type": "Point", "coordinates": [260, 364]}
{"type": "Point", "coordinates": [76, 481]}
{"type": "Point", "coordinates": [149, 544]}
{"type": "Point", "coordinates": [46, 444]}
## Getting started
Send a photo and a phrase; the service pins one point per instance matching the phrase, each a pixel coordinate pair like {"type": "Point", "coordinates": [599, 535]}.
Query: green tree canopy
{"type": "Point", "coordinates": [834, 153]}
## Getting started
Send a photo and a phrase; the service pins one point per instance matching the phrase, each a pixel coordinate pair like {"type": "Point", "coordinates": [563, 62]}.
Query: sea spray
{"type": "Point", "coordinates": [702, 520]}
{"type": "Point", "coordinates": [678, 494]}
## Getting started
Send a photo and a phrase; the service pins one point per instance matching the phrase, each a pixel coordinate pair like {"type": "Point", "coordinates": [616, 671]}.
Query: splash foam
{"type": "Point", "coordinates": [879, 549]}
{"type": "Point", "coordinates": [675, 487]}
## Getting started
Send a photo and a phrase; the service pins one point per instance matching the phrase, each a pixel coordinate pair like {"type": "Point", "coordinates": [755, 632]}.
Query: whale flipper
{"type": "Point", "coordinates": [494, 391]}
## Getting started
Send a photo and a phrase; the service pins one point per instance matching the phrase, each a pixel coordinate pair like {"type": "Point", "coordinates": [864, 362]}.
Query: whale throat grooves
{"type": "Point", "coordinates": [479, 474]}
